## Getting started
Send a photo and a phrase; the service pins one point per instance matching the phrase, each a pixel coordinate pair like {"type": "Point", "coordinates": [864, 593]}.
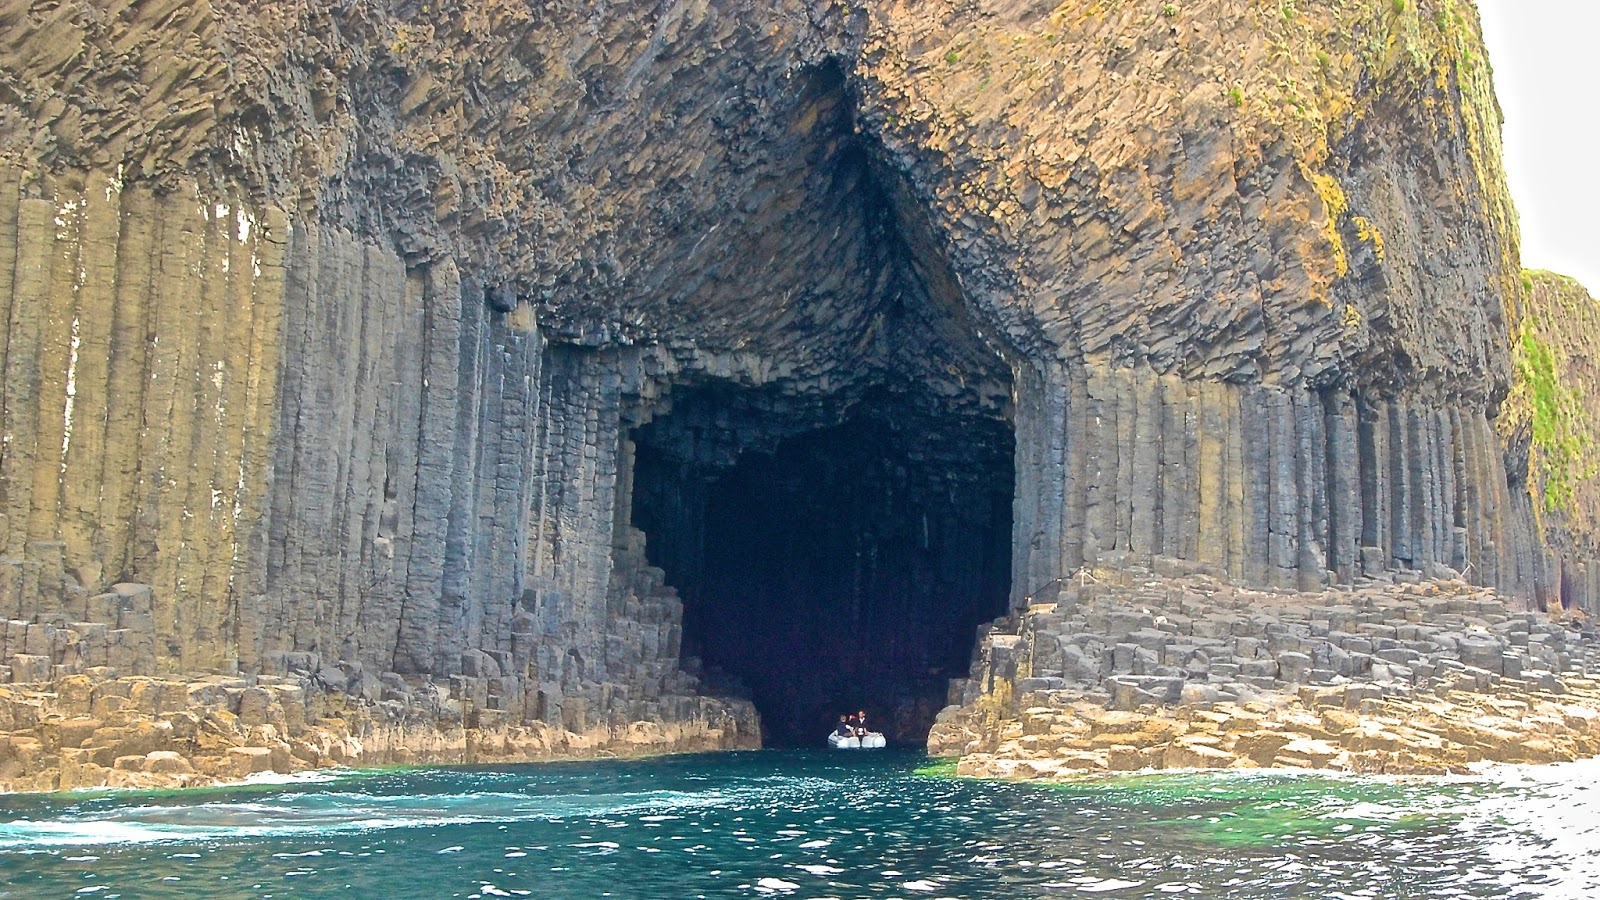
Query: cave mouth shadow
{"type": "Point", "coordinates": [827, 570]}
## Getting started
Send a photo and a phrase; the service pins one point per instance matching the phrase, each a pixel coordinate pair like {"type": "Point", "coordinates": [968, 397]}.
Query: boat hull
{"type": "Point", "coordinates": [871, 741]}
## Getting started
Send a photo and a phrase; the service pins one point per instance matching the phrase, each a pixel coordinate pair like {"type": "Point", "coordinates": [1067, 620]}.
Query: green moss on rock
{"type": "Point", "coordinates": [1557, 339]}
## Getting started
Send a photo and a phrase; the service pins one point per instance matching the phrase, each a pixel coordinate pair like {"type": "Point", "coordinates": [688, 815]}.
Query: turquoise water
{"type": "Point", "coordinates": [813, 825]}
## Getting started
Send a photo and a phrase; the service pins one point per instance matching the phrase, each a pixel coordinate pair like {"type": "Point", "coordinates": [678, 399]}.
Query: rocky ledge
{"type": "Point", "coordinates": [1129, 670]}
{"type": "Point", "coordinates": [98, 729]}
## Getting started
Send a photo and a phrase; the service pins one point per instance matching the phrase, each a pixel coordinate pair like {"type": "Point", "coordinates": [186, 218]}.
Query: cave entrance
{"type": "Point", "coordinates": [824, 466]}
{"type": "Point", "coordinates": [830, 568]}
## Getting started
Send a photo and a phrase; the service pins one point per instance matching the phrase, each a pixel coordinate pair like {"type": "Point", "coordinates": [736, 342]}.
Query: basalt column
{"type": "Point", "coordinates": [1266, 485]}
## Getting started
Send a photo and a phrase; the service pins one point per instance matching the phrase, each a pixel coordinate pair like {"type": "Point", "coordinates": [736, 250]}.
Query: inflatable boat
{"type": "Point", "coordinates": [871, 741]}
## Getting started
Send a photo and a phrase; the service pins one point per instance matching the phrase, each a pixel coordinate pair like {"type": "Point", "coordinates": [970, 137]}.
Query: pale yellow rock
{"type": "Point", "coordinates": [1123, 758]}
{"type": "Point", "coordinates": [1189, 753]}
{"type": "Point", "coordinates": [1318, 753]}
{"type": "Point", "coordinates": [249, 760]}
{"type": "Point", "coordinates": [1038, 720]}
{"type": "Point", "coordinates": [129, 764]}
{"type": "Point", "coordinates": [1083, 761]}
{"type": "Point", "coordinates": [78, 770]}
{"type": "Point", "coordinates": [55, 734]}
{"type": "Point", "coordinates": [281, 758]}
{"type": "Point", "coordinates": [166, 762]}
{"type": "Point", "coordinates": [1260, 747]}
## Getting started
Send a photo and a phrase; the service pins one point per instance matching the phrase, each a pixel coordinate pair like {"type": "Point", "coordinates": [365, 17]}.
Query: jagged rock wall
{"type": "Point", "coordinates": [445, 488]}
{"type": "Point", "coordinates": [1551, 428]}
{"type": "Point", "coordinates": [141, 367]}
{"type": "Point", "coordinates": [298, 444]}
{"type": "Point", "coordinates": [405, 416]}
{"type": "Point", "coordinates": [1266, 485]}
{"type": "Point", "coordinates": [1206, 188]}
{"type": "Point", "coordinates": [350, 309]}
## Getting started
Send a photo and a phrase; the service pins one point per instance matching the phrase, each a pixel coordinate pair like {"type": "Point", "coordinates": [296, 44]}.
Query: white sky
{"type": "Point", "coordinates": [1546, 59]}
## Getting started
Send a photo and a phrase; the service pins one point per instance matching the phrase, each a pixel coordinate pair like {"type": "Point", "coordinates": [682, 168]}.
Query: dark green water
{"type": "Point", "coordinates": [819, 824]}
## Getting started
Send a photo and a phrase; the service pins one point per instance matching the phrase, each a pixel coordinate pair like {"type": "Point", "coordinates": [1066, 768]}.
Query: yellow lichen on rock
{"type": "Point", "coordinates": [1103, 113]}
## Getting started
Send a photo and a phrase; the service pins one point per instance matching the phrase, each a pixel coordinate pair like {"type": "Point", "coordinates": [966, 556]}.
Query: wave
{"type": "Point", "coordinates": [302, 813]}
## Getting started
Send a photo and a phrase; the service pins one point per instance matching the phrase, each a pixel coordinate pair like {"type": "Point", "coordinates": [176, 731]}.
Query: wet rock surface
{"type": "Point", "coordinates": [1128, 672]}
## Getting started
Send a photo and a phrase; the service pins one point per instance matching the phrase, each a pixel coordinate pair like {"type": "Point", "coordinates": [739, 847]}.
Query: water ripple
{"type": "Point", "coordinates": [812, 825]}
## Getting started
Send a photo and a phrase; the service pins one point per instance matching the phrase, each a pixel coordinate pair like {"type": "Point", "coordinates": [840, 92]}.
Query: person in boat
{"type": "Point", "coordinates": [861, 723]}
{"type": "Point", "coordinates": [844, 729]}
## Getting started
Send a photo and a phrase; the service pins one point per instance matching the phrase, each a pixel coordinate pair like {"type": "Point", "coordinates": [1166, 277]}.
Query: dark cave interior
{"type": "Point", "coordinates": [837, 530]}
{"type": "Point", "coordinates": [838, 568]}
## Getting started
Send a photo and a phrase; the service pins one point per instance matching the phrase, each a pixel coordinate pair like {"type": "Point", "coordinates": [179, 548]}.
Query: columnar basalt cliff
{"type": "Point", "coordinates": [428, 339]}
{"type": "Point", "coordinates": [1551, 426]}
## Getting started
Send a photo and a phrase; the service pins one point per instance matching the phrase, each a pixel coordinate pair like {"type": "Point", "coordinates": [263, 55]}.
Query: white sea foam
{"type": "Point", "coordinates": [1103, 885]}
{"type": "Point", "coordinates": [293, 814]}
{"type": "Point", "coordinates": [1548, 822]}
{"type": "Point", "coordinates": [313, 776]}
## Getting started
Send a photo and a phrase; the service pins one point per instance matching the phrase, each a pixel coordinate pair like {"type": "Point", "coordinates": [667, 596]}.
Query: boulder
{"type": "Point", "coordinates": [243, 761]}
{"type": "Point", "coordinates": [166, 762]}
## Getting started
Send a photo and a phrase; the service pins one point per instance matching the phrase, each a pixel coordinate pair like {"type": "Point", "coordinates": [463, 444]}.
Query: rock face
{"type": "Point", "coordinates": [343, 330]}
{"type": "Point", "coordinates": [1551, 426]}
{"type": "Point", "coordinates": [1124, 673]}
{"type": "Point", "coordinates": [99, 729]}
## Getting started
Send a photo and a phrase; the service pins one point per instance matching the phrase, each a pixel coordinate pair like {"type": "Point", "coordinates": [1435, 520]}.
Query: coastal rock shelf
{"type": "Point", "coordinates": [1123, 673]}
{"type": "Point", "coordinates": [96, 728]}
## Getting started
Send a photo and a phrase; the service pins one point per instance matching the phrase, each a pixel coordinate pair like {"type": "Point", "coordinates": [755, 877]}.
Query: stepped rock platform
{"type": "Point", "coordinates": [100, 729]}
{"type": "Point", "coordinates": [1131, 671]}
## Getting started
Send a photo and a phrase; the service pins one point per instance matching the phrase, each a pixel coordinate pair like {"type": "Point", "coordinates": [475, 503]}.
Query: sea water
{"type": "Point", "coordinates": [814, 825]}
